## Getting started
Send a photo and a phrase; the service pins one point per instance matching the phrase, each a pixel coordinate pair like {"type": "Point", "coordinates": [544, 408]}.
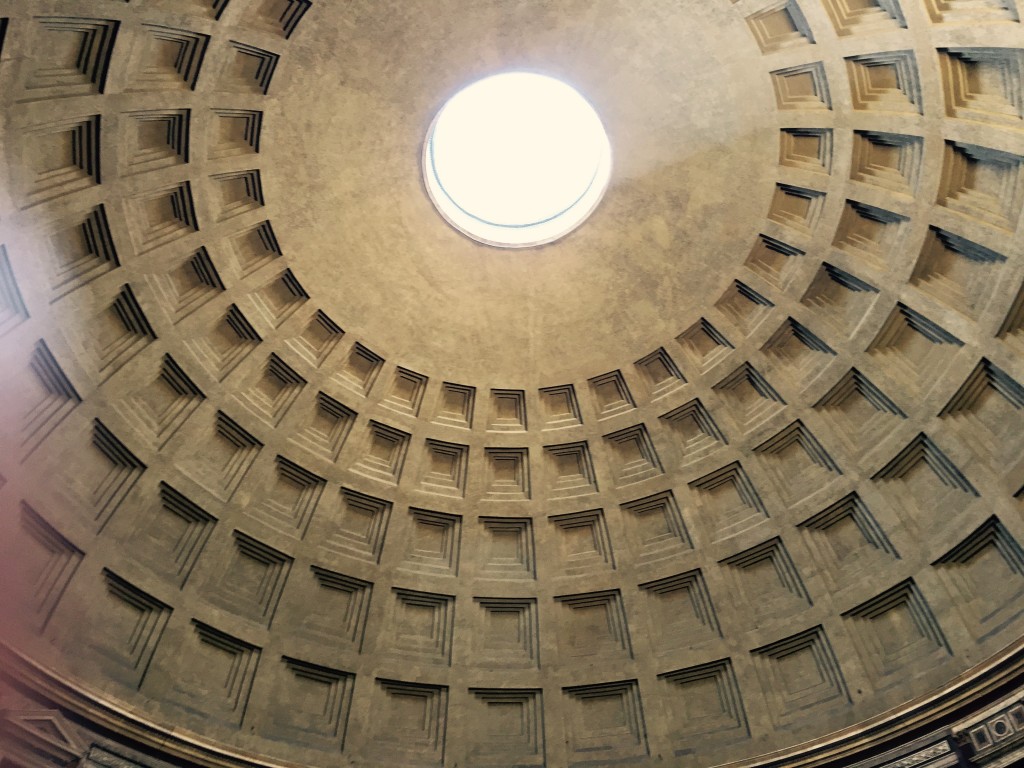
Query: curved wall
{"type": "Point", "coordinates": [292, 470]}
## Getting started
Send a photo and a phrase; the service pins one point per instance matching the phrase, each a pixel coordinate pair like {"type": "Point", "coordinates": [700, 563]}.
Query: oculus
{"type": "Point", "coordinates": [516, 160]}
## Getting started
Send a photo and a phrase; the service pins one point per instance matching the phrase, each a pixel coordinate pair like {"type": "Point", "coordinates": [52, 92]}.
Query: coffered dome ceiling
{"type": "Point", "coordinates": [294, 473]}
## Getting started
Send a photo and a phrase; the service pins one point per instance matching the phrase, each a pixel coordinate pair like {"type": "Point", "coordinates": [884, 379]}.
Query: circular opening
{"type": "Point", "coordinates": [516, 160]}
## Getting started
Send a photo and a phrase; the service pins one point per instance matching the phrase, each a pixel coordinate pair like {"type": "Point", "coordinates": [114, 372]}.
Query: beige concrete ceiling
{"type": "Point", "coordinates": [687, 106]}
{"type": "Point", "coordinates": [290, 469]}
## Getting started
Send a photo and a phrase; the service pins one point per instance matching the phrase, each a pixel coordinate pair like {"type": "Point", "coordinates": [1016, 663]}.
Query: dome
{"type": "Point", "coordinates": [295, 473]}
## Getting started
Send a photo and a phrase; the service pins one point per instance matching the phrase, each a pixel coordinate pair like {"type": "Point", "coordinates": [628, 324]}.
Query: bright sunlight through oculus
{"type": "Point", "coordinates": [516, 160]}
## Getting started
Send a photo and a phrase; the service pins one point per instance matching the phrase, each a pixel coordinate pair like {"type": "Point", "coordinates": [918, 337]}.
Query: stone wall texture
{"type": "Point", "coordinates": [294, 474]}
